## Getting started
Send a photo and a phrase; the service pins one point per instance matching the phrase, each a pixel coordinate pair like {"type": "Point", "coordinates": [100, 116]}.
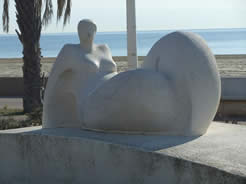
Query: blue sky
{"type": "Point", "coordinates": [110, 15]}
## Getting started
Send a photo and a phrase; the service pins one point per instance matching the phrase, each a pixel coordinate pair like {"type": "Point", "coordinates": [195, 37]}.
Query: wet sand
{"type": "Point", "coordinates": [229, 65]}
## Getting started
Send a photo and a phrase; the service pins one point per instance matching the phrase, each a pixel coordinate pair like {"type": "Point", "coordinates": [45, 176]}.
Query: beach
{"type": "Point", "coordinates": [229, 65]}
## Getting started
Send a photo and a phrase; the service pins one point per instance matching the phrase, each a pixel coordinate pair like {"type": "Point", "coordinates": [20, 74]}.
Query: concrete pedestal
{"type": "Point", "coordinates": [33, 155]}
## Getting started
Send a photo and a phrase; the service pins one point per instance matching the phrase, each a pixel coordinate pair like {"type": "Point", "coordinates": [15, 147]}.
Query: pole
{"type": "Point", "coordinates": [131, 35]}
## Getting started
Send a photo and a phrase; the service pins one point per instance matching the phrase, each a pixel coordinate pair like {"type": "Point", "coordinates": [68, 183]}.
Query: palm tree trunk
{"type": "Point", "coordinates": [29, 21]}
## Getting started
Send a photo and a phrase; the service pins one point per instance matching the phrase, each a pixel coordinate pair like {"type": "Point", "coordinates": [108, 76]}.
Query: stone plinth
{"type": "Point", "coordinates": [33, 155]}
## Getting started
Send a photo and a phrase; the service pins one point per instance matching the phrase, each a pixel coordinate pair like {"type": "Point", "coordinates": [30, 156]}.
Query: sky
{"type": "Point", "coordinates": [110, 15]}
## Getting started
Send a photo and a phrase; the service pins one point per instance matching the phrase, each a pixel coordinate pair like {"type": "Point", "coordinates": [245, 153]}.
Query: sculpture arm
{"type": "Point", "coordinates": [61, 64]}
{"type": "Point", "coordinates": [61, 60]}
{"type": "Point", "coordinates": [108, 63]}
{"type": "Point", "coordinates": [106, 50]}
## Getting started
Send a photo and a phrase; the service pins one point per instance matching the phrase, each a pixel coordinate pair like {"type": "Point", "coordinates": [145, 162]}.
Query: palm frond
{"type": "Point", "coordinates": [67, 12]}
{"type": "Point", "coordinates": [60, 8]}
{"type": "Point", "coordinates": [48, 12]}
{"type": "Point", "coordinates": [5, 16]}
{"type": "Point", "coordinates": [39, 4]}
{"type": "Point", "coordinates": [63, 9]}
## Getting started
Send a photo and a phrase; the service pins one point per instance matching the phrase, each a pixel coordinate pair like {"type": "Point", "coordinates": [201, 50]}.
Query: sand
{"type": "Point", "coordinates": [229, 65]}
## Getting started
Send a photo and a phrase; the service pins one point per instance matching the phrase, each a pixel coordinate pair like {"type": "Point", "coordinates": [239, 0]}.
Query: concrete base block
{"type": "Point", "coordinates": [33, 155]}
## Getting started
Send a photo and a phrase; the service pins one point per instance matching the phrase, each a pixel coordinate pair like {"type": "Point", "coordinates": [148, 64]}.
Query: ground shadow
{"type": "Point", "coordinates": [142, 142]}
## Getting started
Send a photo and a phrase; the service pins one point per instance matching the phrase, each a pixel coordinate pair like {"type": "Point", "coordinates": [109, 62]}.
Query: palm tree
{"type": "Point", "coordinates": [30, 20]}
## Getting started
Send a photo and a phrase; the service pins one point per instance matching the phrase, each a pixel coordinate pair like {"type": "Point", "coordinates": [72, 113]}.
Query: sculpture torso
{"type": "Point", "coordinates": [100, 58]}
{"type": "Point", "coordinates": [70, 82]}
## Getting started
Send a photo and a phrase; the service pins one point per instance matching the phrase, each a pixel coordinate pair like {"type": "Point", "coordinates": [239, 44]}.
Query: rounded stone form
{"type": "Point", "coordinates": [191, 68]}
{"type": "Point", "coordinates": [176, 93]}
{"type": "Point", "coordinates": [130, 102]}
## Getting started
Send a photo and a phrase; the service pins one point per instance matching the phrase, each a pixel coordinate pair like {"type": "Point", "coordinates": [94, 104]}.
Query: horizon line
{"type": "Point", "coordinates": [122, 31]}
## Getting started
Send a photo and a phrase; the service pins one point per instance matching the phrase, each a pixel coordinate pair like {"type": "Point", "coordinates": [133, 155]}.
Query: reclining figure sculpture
{"type": "Point", "coordinates": [175, 92]}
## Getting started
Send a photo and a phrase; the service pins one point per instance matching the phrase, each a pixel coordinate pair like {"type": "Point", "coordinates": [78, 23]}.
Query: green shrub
{"type": "Point", "coordinates": [35, 117]}
{"type": "Point", "coordinates": [10, 120]}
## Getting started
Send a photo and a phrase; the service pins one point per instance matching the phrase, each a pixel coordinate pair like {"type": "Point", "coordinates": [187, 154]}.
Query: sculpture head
{"type": "Point", "coordinates": [86, 30]}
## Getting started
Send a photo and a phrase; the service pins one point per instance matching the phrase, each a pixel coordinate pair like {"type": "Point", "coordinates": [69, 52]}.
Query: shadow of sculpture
{"type": "Point", "coordinates": [140, 142]}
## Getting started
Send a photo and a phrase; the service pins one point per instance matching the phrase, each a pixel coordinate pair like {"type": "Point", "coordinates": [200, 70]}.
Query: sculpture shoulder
{"type": "Point", "coordinates": [69, 47]}
{"type": "Point", "coordinates": [67, 52]}
{"type": "Point", "coordinates": [104, 48]}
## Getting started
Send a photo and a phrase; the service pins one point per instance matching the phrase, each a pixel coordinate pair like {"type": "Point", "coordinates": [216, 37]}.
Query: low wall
{"type": "Point", "coordinates": [57, 156]}
{"type": "Point", "coordinates": [233, 101]}
{"type": "Point", "coordinates": [232, 88]}
{"type": "Point", "coordinates": [11, 86]}
{"type": "Point", "coordinates": [232, 106]}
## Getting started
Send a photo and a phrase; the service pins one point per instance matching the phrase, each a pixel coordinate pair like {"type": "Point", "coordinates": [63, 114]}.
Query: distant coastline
{"type": "Point", "coordinates": [138, 31]}
{"type": "Point", "coordinates": [221, 41]}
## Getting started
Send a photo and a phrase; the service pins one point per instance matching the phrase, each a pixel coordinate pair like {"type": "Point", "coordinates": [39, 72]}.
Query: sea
{"type": "Point", "coordinates": [221, 41]}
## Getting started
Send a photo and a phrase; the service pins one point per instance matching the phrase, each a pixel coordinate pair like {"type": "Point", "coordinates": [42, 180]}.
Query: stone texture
{"type": "Point", "coordinates": [72, 74]}
{"type": "Point", "coordinates": [190, 67]}
{"type": "Point", "coordinates": [35, 155]}
{"type": "Point", "coordinates": [132, 102]}
{"type": "Point", "coordinates": [176, 92]}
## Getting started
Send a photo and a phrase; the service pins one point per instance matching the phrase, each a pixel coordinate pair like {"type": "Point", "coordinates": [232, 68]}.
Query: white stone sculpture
{"type": "Point", "coordinates": [176, 92]}
{"type": "Point", "coordinates": [73, 75]}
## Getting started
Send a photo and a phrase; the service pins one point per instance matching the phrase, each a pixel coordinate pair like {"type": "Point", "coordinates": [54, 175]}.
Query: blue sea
{"type": "Point", "coordinates": [221, 41]}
